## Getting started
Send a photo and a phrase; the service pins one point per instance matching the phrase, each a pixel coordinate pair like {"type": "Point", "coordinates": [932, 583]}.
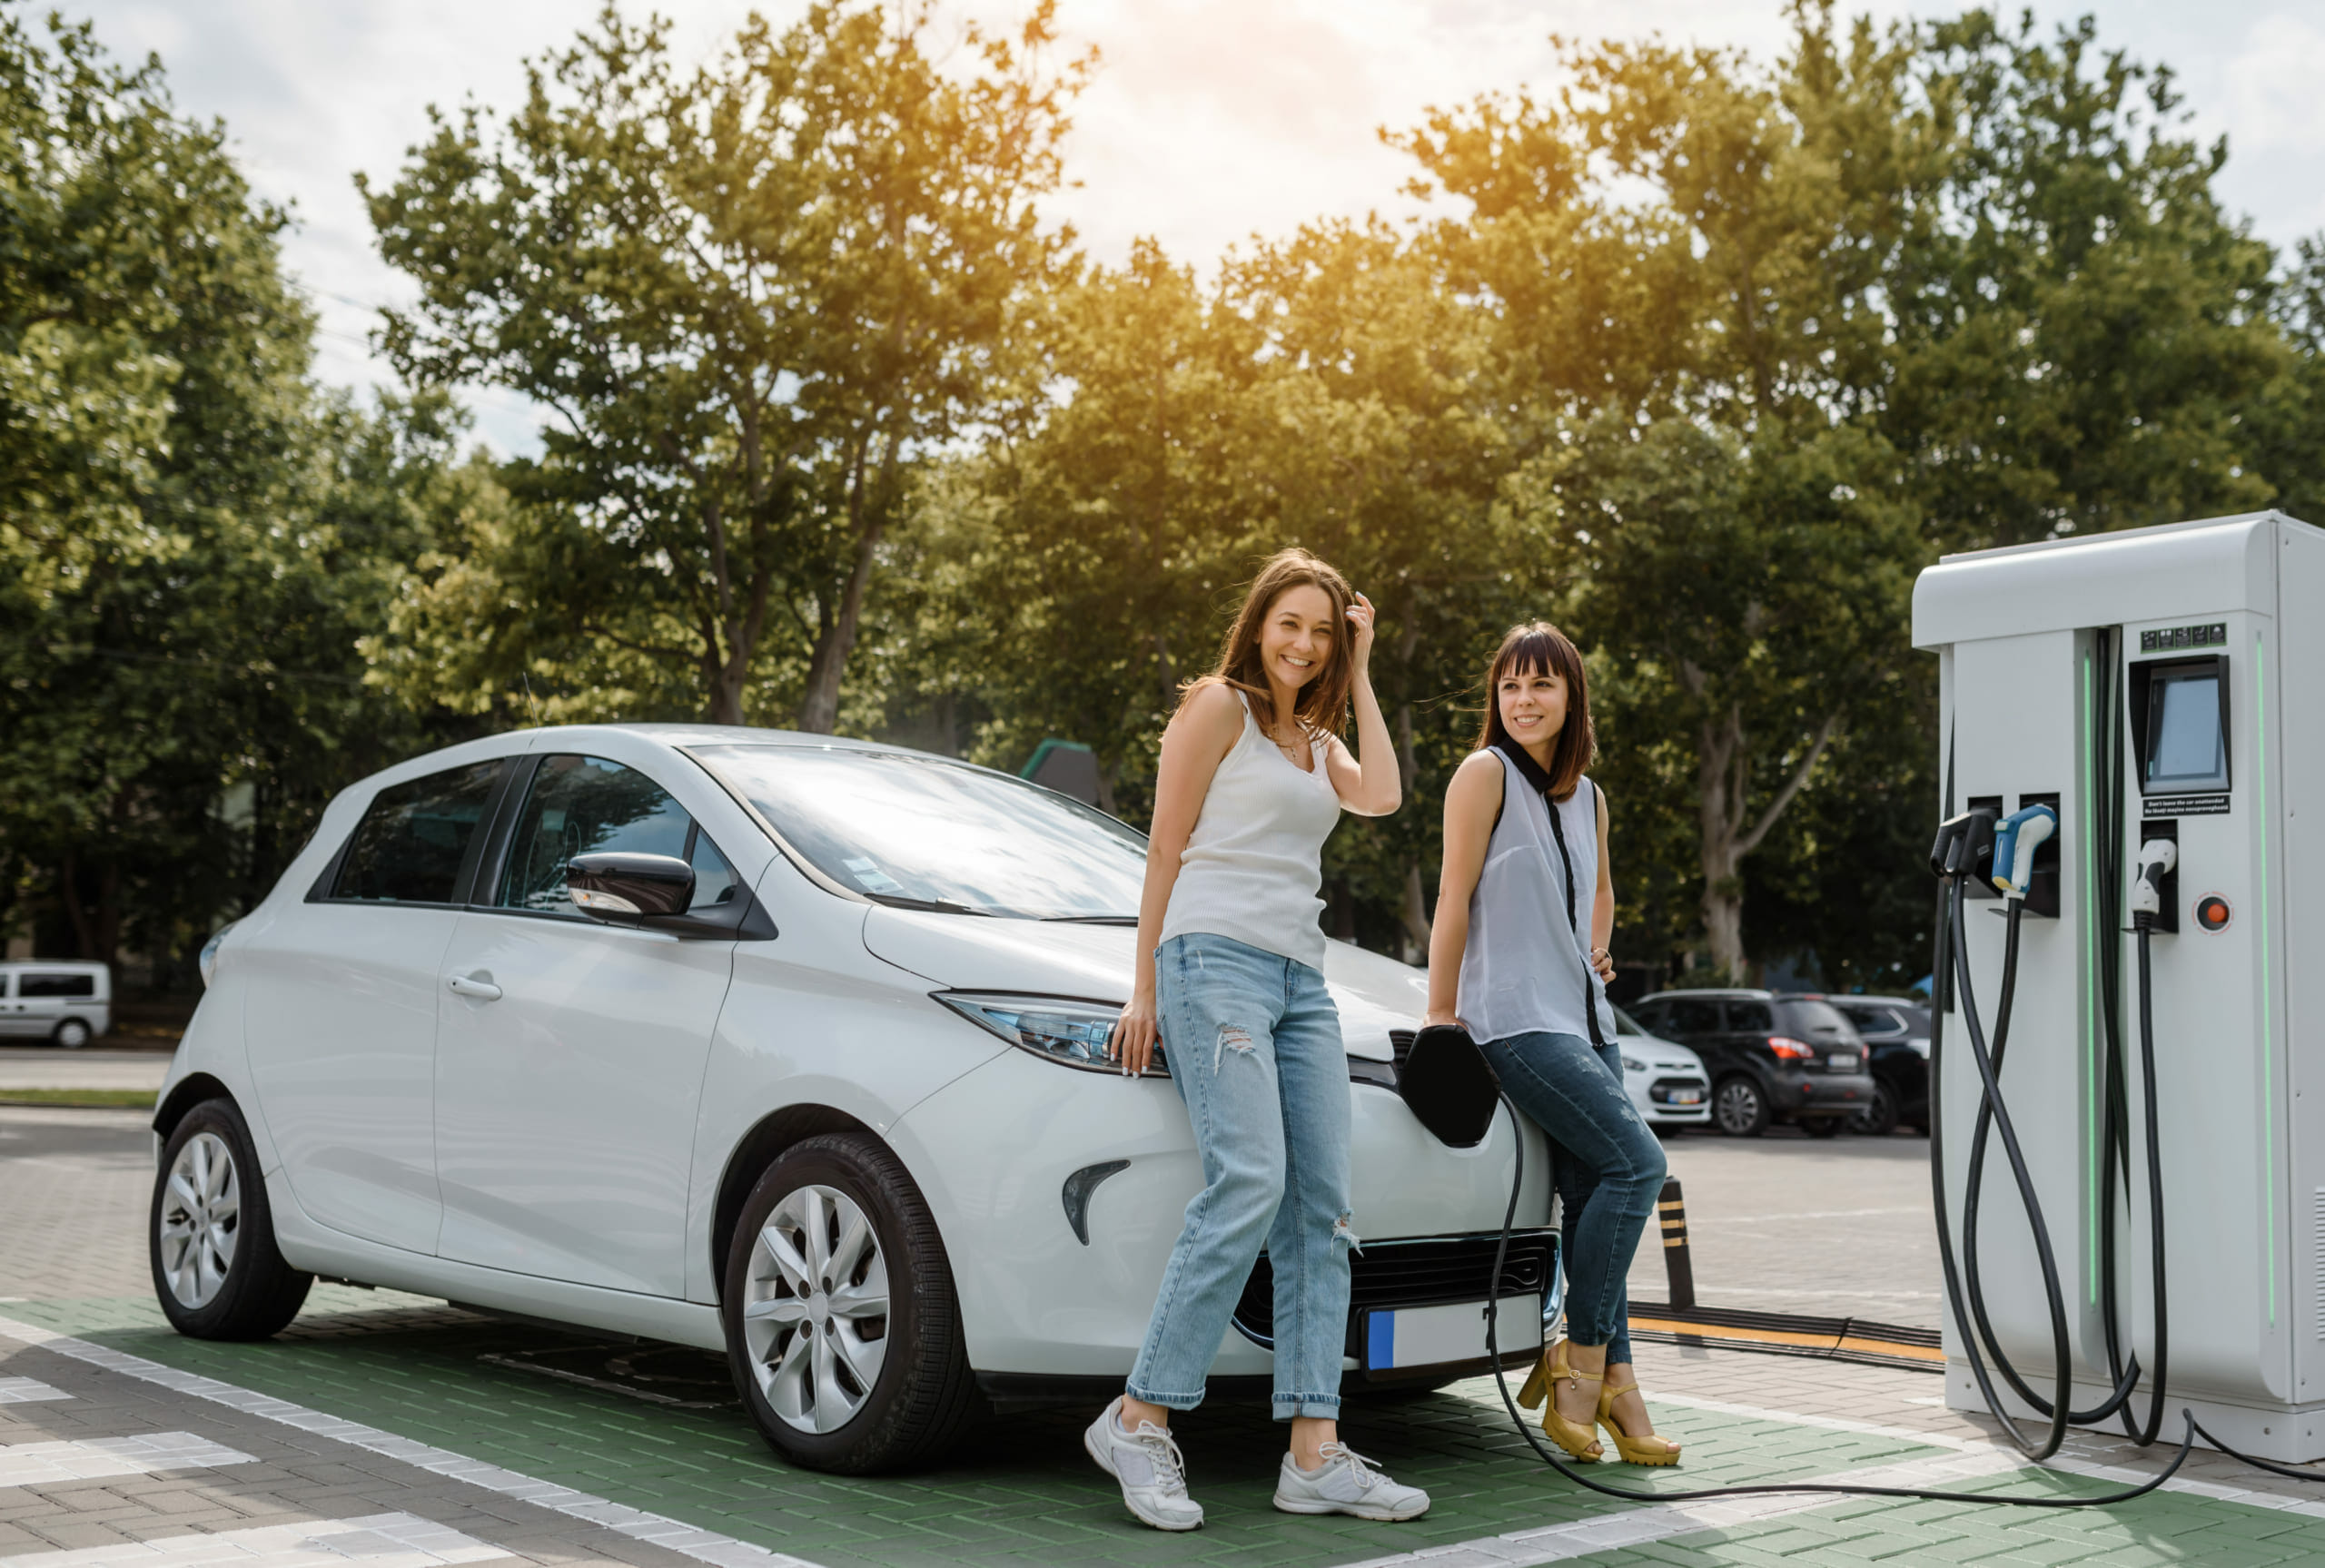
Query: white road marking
{"type": "Point", "coordinates": [27, 1391]}
{"type": "Point", "coordinates": [381, 1540]}
{"type": "Point", "coordinates": [93, 1458]}
{"type": "Point", "coordinates": [687, 1540]}
{"type": "Point", "coordinates": [1694, 1219]}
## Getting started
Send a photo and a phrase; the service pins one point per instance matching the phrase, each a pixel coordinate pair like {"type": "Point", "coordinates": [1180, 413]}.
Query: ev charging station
{"type": "Point", "coordinates": [2162, 690]}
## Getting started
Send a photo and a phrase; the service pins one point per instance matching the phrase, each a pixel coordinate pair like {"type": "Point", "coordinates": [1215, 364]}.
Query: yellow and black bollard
{"type": "Point", "coordinates": [1673, 1211]}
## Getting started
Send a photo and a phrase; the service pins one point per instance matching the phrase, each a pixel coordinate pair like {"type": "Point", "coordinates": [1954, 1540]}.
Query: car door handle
{"type": "Point", "coordinates": [482, 989]}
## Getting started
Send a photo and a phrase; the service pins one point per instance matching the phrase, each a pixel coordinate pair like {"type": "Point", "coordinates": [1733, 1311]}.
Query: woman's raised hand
{"type": "Point", "coordinates": [1603, 962]}
{"type": "Point", "coordinates": [1135, 1034]}
{"type": "Point", "coordinates": [1359, 620]}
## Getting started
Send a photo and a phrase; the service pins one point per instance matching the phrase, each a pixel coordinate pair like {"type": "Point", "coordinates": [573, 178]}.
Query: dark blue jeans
{"type": "Point", "coordinates": [1609, 1170]}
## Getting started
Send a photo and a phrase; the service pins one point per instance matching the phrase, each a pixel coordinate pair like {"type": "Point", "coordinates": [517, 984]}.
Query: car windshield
{"type": "Point", "coordinates": [923, 832]}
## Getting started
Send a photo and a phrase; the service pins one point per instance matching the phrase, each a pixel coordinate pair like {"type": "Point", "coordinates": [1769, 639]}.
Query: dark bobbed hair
{"type": "Point", "coordinates": [1535, 648]}
{"type": "Point", "coordinates": [1322, 707]}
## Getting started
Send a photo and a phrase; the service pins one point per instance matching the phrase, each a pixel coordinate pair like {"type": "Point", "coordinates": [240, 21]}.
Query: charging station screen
{"type": "Point", "coordinates": [2185, 747]}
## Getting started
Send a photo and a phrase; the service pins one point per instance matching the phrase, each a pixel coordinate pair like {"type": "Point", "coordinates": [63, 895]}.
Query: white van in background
{"type": "Point", "coordinates": [63, 1000]}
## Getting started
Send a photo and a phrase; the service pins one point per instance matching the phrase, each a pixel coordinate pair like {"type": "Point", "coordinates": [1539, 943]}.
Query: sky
{"type": "Point", "coordinates": [1210, 121]}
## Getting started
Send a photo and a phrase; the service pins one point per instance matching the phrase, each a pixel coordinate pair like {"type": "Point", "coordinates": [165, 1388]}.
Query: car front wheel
{"type": "Point", "coordinates": [843, 1327]}
{"type": "Point", "coordinates": [210, 1237]}
{"type": "Point", "coordinates": [72, 1034]}
{"type": "Point", "coordinates": [1740, 1108]}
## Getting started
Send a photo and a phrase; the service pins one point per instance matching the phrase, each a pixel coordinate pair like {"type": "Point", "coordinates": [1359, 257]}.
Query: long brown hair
{"type": "Point", "coordinates": [1532, 649]}
{"type": "Point", "coordinates": [1323, 706]}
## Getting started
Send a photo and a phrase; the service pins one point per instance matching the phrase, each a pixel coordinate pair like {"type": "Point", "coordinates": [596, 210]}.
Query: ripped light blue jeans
{"type": "Point", "coordinates": [1609, 1170]}
{"type": "Point", "coordinates": [1254, 1043]}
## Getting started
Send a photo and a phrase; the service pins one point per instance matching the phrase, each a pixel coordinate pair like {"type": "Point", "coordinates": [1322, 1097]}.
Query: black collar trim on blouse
{"type": "Point", "coordinates": [1537, 777]}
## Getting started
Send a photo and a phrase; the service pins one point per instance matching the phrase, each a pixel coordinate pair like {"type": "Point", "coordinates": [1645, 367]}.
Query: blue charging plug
{"type": "Point", "coordinates": [2016, 839]}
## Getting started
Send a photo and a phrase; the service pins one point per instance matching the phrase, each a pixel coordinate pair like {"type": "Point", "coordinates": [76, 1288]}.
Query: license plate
{"type": "Point", "coordinates": [1685, 1097]}
{"type": "Point", "coordinates": [1433, 1336]}
{"type": "Point", "coordinates": [1842, 1061]}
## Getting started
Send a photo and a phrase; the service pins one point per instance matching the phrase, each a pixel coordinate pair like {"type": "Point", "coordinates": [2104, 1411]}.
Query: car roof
{"type": "Point", "coordinates": [95, 966]}
{"type": "Point", "coordinates": [1884, 1000]}
{"type": "Point", "coordinates": [1710, 993]}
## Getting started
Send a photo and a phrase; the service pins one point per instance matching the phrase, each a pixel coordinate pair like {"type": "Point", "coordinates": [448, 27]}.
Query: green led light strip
{"type": "Point", "coordinates": [2268, 1056]}
{"type": "Point", "coordinates": [2094, 921]}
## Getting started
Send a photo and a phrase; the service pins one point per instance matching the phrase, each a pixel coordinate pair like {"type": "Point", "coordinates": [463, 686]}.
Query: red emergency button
{"type": "Point", "coordinates": [2212, 912]}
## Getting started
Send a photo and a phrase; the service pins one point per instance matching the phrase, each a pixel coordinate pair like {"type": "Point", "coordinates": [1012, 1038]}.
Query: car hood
{"type": "Point", "coordinates": [1664, 1054]}
{"type": "Point", "coordinates": [1373, 993]}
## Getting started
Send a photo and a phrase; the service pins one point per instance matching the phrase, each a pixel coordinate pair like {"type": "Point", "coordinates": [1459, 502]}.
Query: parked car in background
{"type": "Point", "coordinates": [1772, 1057]}
{"type": "Point", "coordinates": [65, 1001]}
{"type": "Point", "coordinates": [1665, 1080]}
{"type": "Point", "coordinates": [1896, 1031]}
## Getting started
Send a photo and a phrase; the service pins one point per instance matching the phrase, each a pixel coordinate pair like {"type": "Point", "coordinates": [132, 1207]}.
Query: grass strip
{"type": "Point", "coordinates": [81, 1098]}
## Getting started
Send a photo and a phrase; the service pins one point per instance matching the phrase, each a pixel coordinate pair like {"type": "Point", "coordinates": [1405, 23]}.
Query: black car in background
{"type": "Point", "coordinates": [1897, 1029]}
{"type": "Point", "coordinates": [1772, 1057]}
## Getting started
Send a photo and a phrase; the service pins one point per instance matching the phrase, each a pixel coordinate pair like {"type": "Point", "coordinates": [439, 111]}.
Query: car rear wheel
{"type": "Point", "coordinates": [843, 1328]}
{"type": "Point", "coordinates": [72, 1034]}
{"type": "Point", "coordinates": [210, 1235]}
{"type": "Point", "coordinates": [1740, 1108]}
{"type": "Point", "coordinates": [1878, 1120]}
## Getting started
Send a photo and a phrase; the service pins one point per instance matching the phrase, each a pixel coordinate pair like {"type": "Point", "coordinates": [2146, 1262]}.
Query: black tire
{"type": "Point", "coordinates": [1740, 1106]}
{"type": "Point", "coordinates": [1878, 1120]}
{"type": "Point", "coordinates": [259, 1293]}
{"type": "Point", "coordinates": [1822, 1125]}
{"type": "Point", "coordinates": [73, 1034]}
{"type": "Point", "coordinates": [923, 1397]}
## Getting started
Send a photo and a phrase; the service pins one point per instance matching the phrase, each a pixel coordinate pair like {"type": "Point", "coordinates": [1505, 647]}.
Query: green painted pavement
{"type": "Point", "coordinates": [1021, 1491]}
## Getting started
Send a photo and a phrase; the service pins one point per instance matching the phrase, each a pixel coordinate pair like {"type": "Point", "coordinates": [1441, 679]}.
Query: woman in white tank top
{"type": "Point", "coordinates": [1230, 961]}
{"type": "Point", "coordinates": [1518, 956]}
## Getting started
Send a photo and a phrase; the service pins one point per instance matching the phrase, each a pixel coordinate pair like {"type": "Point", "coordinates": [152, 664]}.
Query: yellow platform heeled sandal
{"type": "Point", "coordinates": [1648, 1450]}
{"type": "Point", "coordinates": [1579, 1440]}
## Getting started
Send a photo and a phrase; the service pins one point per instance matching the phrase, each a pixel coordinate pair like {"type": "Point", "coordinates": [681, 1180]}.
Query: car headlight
{"type": "Point", "coordinates": [208, 962]}
{"type": "Point", "coordinates": [1059, 1029]}
{"type": "Point", "coordinates": [1633, 1064]}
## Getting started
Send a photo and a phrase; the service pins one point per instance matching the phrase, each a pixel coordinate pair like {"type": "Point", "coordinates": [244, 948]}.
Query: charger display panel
{"type": "Point", "coordinates": [2180, 714]}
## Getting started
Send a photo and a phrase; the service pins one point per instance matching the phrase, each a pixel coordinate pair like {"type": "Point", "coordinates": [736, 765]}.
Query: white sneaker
{"type": "Point", "coordinates": [1153, 1473]}
{"type": "Point", "coordinates": [1346, 1485]}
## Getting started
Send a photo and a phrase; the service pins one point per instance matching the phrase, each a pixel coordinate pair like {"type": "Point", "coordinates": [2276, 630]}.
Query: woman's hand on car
{"type": "Point", "coordinates": [1441, 1018]}
{"type": "Point", "coordinates": [1135, 1034]}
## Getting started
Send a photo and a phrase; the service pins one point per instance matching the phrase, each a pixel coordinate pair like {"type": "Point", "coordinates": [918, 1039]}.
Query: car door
{"type": "Point", "coordinates": [571, 1053]}
{"type": "Point", "coordinates": [1693, 1022]}
{"type": "Point", "coordinates": [341, 1020]}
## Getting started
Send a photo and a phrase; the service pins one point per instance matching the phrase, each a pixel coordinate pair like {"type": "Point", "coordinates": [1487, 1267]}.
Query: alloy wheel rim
{"type": "Point", "coordinates": [1737, 1105]}
{"type": "Point", "coordinates": [815, 1309]}
{"type": "Point", "coordinates": [200, 1219]}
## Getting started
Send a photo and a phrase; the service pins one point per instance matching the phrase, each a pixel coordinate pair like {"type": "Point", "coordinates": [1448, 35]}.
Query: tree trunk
{"type": "Point", "coordinates": [835, 634]}
{"type": "Point", "coordinates": [1723, 776]}
{"type": "Point", "coordinates": [1416, 911]}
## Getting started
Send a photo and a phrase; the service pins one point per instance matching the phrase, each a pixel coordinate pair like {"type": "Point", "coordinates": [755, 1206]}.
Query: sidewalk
{"type": "Point", "coordinates": [92, 1067]}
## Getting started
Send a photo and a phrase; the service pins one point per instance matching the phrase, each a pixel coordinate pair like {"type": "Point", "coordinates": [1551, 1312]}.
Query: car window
{"type": "Point", "coordinates": [1816, 1020]}
{"type": "Point", "coordinates": [1688, 1017]}
{"type": "Point", "coordinates": [582, 805]}
{"type": "Point", "coordinates": [922, 832]}
{"type": "Point", "coordinates": [408, 847]}
{"type": "Point", "coordinates": [32, 983]}
{"type": "Point", "coordinates": [1917, 1020]}
{"type": "Point", "coordinates": [1874, 1022]}
{"type": "Point", "coordinates": [1750, 1018]}
{"type": "Point", "coordinates": [1624, 1023]}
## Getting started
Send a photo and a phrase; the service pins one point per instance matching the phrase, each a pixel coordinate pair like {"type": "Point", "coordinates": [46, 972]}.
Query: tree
{"type": "Point", "coordinates": [752, 298]}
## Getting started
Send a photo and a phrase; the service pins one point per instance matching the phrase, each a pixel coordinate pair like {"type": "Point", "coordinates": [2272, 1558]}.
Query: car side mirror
{"type": "Point", "coordinates": [623, 888]}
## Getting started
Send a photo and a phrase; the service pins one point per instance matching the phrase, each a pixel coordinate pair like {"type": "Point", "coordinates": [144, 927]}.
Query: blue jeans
{"type": "Point", "coordinates": [1254, 1043]}
{"type": "Point", "coordinates": [1609, 1170]}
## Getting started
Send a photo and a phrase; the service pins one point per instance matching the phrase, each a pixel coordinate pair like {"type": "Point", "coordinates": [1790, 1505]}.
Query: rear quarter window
{"type": "Point", "coordinates": [1816, 1021]}
{"type": "Point", "coordinates": [414, 839]}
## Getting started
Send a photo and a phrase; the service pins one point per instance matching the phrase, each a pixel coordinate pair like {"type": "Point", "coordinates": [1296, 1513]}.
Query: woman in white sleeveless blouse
{"type": "Point", "coordinates": [1518, 956]}
{"type": "Point", "coordinates": [1231, 957]}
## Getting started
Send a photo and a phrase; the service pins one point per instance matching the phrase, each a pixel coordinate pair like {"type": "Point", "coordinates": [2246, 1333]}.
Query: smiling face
{"type": "Point", "coordinates": [1297, 637]}
{"type": "Point", "coordinates": [1533, 706]}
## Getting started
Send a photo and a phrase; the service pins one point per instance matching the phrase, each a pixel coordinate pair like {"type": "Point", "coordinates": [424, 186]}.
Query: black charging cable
{"type": "Point", "coordinates": [1821, 1488]}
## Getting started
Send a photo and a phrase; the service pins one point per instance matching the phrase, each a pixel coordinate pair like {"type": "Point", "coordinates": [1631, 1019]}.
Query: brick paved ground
{"type": "Point", "coordinates": [635, 1435]}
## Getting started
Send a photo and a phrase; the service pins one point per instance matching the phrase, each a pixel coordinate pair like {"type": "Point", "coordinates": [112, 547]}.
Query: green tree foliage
{"type": "Point", "coordinates": [190, 538]}
{"type": "Point", "coordinates": [751, 296]}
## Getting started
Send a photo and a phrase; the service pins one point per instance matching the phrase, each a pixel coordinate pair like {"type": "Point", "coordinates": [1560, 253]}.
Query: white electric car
{"type": "Point", "coordinates": [777, 1044]}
